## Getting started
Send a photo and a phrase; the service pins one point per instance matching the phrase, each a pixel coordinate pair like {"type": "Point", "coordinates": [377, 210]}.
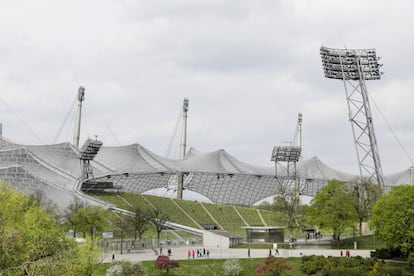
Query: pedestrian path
{"type": "Point", "coordinates": [181, 253]}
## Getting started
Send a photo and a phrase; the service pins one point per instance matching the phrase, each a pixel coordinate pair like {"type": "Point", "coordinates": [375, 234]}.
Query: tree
{"type": "Point", "coordinates": [122, 228]}
{"type": "Point", "coordinates": [70, 211]}
{"type": "Point", "coordinates": [88, 220]}
{"type": "Point", "coordinates": [46, 203]}
{"type": "Point", "coordinates": [365, 195]}
{"type": "Point", "coordinates": [140, 221]}
{"type": "Point", "coordinates": [288, 203]}
{"type": "Point", "coordinates": [158, 219]}
{"type": "Point", "coordinates": [332, 208]}
{"type": "Point", "coordinates": [393, 218]}
{"type": "Point", "coordinates": [32, 244]}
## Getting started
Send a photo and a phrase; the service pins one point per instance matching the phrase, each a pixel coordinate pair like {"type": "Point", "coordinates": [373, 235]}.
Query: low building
{"type": "Point", "coordinates": [265, 234]}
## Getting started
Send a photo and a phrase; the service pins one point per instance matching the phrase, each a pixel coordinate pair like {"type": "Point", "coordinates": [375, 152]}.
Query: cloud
{"type": "Point", "coordinates": [248, 68]}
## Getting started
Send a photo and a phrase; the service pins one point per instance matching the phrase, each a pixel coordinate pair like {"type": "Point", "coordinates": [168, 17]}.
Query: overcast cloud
{"type": "Point", "coordinates": [247, 67]}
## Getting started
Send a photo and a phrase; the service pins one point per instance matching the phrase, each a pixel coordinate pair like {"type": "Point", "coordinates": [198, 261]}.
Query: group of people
{"type": "Point", "coordinates": [200, 253]}
{"type": "Point", "coordinates": [276, 252]}
{"type": "Point", "coordinates": [347, 253]}
{"type": "Point", "coordinates": [270, 252]}
{"type": "Point", "coordinates": [169, 251]}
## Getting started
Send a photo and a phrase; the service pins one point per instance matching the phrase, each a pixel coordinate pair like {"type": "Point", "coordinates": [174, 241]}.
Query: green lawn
{"type": "Point", "coordinates": [364, 242]}
{"type": "Point", "coordinates": [215, 267]}
{"type": "Point", "coordinates": [228, 218]}
{"type": "Point", "coordinates": [250, 215]}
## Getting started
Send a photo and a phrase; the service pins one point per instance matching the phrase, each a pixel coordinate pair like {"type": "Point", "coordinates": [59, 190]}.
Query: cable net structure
{"type": "Point", "coordinates": [56, 170]}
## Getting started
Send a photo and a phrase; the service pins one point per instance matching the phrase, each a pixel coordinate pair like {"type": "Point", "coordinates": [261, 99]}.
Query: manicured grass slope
{"type": "Point", "coordinates": [225, 215]}
{"type": "Point", "coordinates": [251, 216]}
{"type": "Point", "coordinates": [228, 218]}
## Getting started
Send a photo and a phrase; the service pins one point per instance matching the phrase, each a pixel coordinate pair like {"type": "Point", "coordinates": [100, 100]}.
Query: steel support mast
{"type": "Point", "coordinates": [354, 67]}
{"type": "Point", "coordinates": [76, 134]}
{"type": "Point", "coordinates": [183, 145]}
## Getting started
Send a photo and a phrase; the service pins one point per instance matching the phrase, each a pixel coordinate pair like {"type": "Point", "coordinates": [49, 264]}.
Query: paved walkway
{"type": "Point", "coordinates": [180, 253]}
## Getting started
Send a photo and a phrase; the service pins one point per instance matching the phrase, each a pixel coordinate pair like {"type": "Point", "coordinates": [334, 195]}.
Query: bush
{"type": "Point", "coordinates": [273, 265]}
{"type": "Point", "coordinates": [232, 267]}
{"type": "Point", "coordinates": [386, 253]}
{"type": "Point", "coordinates": [410, 259]}
{"type": "Point", "coordinates": [124, 269]}
{"type": "Point", "coordinates": [393, 271]}
{"type": "Point", "coordinates": [164, 262]}
{"type": "Point", "coordinates": [336, 265]}
{"type": "Point", "coordinates": [312, 264]}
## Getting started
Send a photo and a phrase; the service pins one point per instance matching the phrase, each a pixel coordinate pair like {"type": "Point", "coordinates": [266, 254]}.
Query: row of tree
{"type": "Point", "coordinates": [339, 206]}
{"type": "Point", "coordinates": [91, 219]}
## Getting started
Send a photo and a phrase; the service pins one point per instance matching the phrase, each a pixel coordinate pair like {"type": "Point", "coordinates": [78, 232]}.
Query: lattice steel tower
{"type": "Point", "coordinates": [354, 67]}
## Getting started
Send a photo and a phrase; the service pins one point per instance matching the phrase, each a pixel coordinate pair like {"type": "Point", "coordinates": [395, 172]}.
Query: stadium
{"type": "Point", "coordinates": [218, 177]}
{"type": "Point", "coordinates": [66, 171]}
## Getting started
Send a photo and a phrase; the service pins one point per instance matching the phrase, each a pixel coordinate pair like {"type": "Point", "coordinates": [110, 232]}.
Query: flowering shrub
{"type": "Point", "coordinates": [164, 262]}
{"type": "Point", "coordinates": [232, 267]}
{"type": "Point", "coordinates": [273, 265]}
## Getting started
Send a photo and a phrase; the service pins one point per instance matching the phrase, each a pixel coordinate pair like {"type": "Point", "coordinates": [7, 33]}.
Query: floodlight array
{"type": "Point", "coordinates": [350, 64]}
{"type": "Point", "coordinates": [286, 154]}
{"type": "Point", "coordinates": [89, 149]}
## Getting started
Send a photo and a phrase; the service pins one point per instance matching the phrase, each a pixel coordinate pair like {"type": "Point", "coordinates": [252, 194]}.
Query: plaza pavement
{"type": "Point", "coordinates": [180, 253]}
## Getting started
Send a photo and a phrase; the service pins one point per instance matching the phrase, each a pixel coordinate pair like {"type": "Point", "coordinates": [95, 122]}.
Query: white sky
{"type": "Point", "coordinates": [247, 67]}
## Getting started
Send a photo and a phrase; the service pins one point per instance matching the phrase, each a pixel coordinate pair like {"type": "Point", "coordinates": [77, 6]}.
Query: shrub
{"type": "Point", "coordinates": [312, 264]}
{"type": "Point", "coordinates": [232, 267]}
{"type": "Point", "coordinates": [164, 262]}
{"type": "Point", "coordinates": [124, 269]}
{"type": "Point", "coordinates": [336, 265]}
{"type": "Point", "coordinates": [273, 265]}
{"type": "Point", "coordinates": [386, 253]}
{"type": "Point", "coordinates": [410, 259]}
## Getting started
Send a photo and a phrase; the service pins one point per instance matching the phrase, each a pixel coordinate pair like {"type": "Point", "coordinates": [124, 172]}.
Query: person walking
{"type": "Point", "coordinates": [248, 252]}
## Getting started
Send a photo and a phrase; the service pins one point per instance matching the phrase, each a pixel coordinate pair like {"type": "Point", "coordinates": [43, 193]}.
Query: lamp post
{"type": "Point", "coordinates": [354, 67]}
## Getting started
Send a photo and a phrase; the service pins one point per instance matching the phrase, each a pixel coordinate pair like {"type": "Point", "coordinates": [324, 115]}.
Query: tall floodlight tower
{"type": "Point", "coordinates": [87, 153]}
{"type": "Point", "coordinates": [285, 158]}
{"type": "Point", "coordinates": [76, 134]}
{"type": "Point", "coordinates": [183, 145]}
{"type": "Point", "coordinates": [354, 67]}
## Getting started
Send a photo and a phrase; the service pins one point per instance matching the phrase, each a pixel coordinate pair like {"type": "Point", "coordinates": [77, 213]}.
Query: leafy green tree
{"type": "Point", "coordinates": [32, 244]}
{"type": "Point", "coordinates": [89, 220]}
{"type": "Point", "coordinates": [393, 218]}
{"type": "Point", "coordinates": [332, 208]}
{"type": "Point", "coordinates": [46, 203]}
{"type": "Point", "coordinates": [122, 228]}
{"type": "Point", "coordinates": [140, 221]}
{"type": "Point", "coordinates": [158, 219]}
{"type": "Point", "coordinates": [365, 195]}
{"type": "Point", "coordinates": [288, 204]}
